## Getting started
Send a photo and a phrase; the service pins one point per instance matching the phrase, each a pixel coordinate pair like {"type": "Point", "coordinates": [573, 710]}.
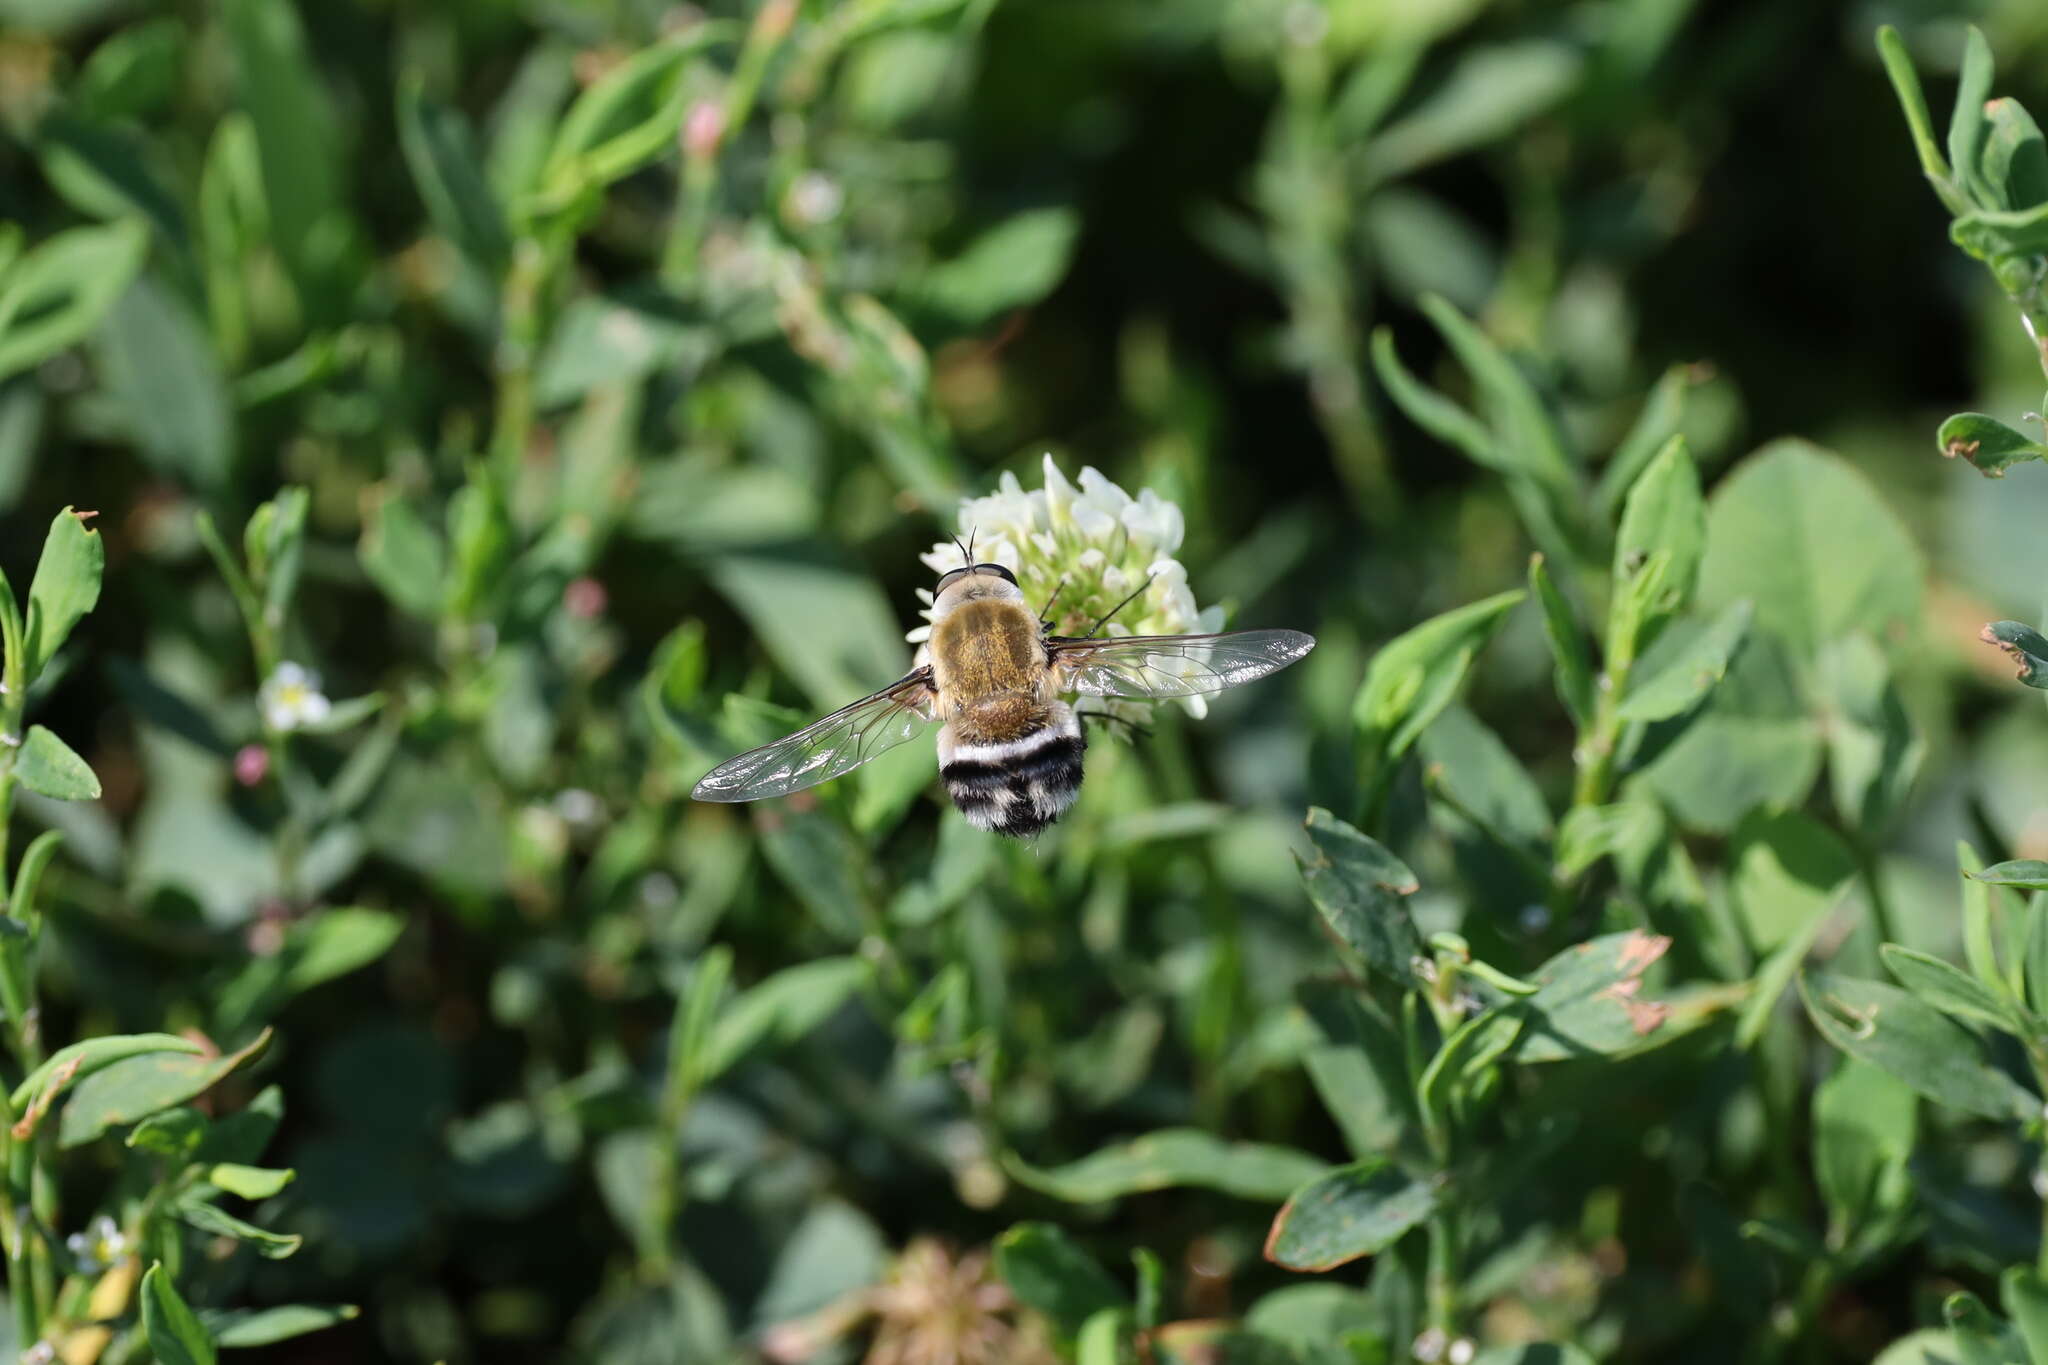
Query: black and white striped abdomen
{"type": "Point", "coordinates": [1015, 786]}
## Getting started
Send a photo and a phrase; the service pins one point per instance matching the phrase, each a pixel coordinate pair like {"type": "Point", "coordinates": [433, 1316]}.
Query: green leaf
{"type": "Point", "coordinates": [1890, 1029]}
{"type": "Point", "coordinates": [2028, 873]}
{"type": "Point", "coordinates": [241, 1328]}
{"type": "Point", "coordinates": [79, 1060]}
{"type": "Point", "coordinates": [110, 171]}
{"type": "Point", "coordinates": [1789, 871]}
{"type": "Point", "coordinates": [1469, 763]}
{"type": "Point", "coordinates": [175, 1133]}
{"type": "Point", "coordinates": [1980, 1338]}
{"type": "Point", "coordinates": [2024, 1295]}
{"type": "Point", "coordinates": [339, 941]}
{"type": "Point", "coordinates": [1997, 237]}
{"type": "Point", "coordinates": [250, 1182]}
{"type": "Point", "coordinates": [1466, 1055]}
{"type": "Point", "coordinates": [1864, 1127]}
{"type": "Point", "coordinates": [1967, 127]}
{"type": "Point", "coordinates": [1989, 444]}
{"type": "Point", "coordinates": [1353, 1211]}
{"type": "Point", "coordinates": [782, 1008]}
{"type": "Point", "coordinates": [1173, 1158]}
{"type": "Point", "coordinates": [1588, 1002]}
{"type": "Point", "coordinates": [1527, 437]}
{"type": "Point", "coordinates": [239, 1138]}
{"type": "Point", "coordinates": [274, 544]}
{"type": "Point", "coordinates": [271, 1246]}
{"type": "Point", "coordinates": [1568, 653]}
{"type": "Point", "coordinates": [1048, 1272]}
{"type": "Point", "coordinates": [1772, 976]}
{"type": "Point", "coordinates": [1658, 549]}
{"type": "Point", "coordinates": [1100, 1340]}
{"type": "Point", "coordinates": [59, 292]}
{"type": "Point", "coordinates": [1660, 420]}
{"type": "Point", "coordinates": [1979, 949]}
{"type": "Point", "coordinates": [1360, 888]}
{"type": "Point", "coordinates": [132, 1090]}
{"type": "Point", "coordinates": [1754, 743]}
{"type": "Point", "coordinates": [1898, 65]}
{"type": "Point", "coordinates": [1801, 533]}
{"type": "Point", "coordinates": [28, 876]}
{"type": "Point", "coordinates": [1415, 675]}
{"type": "Point", "coordinates": [1949, 989]}
{"type": "Point", "coordinates": [1873, 750]}
{"type": "Point", "coordinates": [627, 117]}
{"type": "Point", "coordinates": [404, 556]}
{"type": "Point", "coordinates": [65, 588]}
{"type": "Point", "coordinates": [1014, 263]}
{"type": "Point", "coordinates": [832, 631]}
{"type": "Point", "coordinates": [175, 1335]}
{"type": "Point", "coordinates": [299, 146]}
{"type": "Point", "coordinates": [1430, 410]}
{"type": "Point", "coordinates": [2025, 646]}
{"type": "Point", "coordinates": [47, 767]}
{"type": "Point", "coordinates": [134, 71]}
{"type": "Point", "coordinates": [1489, 93]}
{"type": "Point", "coordinates": [2015, 162]}
{"type": "Point", "coordinates": [441, 152]}
{"type": "Point", "coordinates": [163, 376]}
{"type": "Point", "coordinates": [1683, 680]}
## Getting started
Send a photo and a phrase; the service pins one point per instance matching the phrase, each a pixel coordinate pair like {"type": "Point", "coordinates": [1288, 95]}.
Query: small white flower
{"type": "Point", "coordinates": [97, 1248]}
{"type": "Point", "coordinates": [815, 198]}
{"type": "Point", "coordinates": [1093, 544]}
{"type": "Point", "coordinates": [579, 807]}
{"type": "Point", "coordinates": [291, 698]}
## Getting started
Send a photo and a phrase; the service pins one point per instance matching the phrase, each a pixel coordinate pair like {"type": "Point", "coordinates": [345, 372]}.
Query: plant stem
{"type": "Point", "coordinates": [1598, 743]}
{"type": "Point", "coordinates": [518, 341]}
{"type": "Point", "coordinates": [1440, 1286]}
{"type": "Point", "coordinates": [1873, 882]}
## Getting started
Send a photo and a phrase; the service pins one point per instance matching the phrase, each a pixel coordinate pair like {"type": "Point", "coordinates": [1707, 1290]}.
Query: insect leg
{"type": "Point", "coordinates": [1131, 727]}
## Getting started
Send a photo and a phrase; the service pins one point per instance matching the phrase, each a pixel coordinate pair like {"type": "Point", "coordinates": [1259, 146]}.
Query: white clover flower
{"type": "Point", "coordinates": [97, 1248]}
{"type": "Point", "coordinates": [291, 698]}
{"type": "Point", "coordinates": [1093, 545]}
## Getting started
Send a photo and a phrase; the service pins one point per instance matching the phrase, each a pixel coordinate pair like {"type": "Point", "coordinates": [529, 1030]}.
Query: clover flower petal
{"type": "Point", "coordinates": [1091, 543]}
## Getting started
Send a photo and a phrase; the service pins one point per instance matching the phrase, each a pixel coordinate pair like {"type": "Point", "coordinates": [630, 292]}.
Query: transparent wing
{"type": "Point", "coordinates": [1172, 665]}
{"type": "Point", "coordinates": [819, 752]}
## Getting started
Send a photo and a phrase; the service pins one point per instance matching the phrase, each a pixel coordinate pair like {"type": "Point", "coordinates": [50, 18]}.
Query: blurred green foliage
{"type": "Point", "coordinates": [496, 412]}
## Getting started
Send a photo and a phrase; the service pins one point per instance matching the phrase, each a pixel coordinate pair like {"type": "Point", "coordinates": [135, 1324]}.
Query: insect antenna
{"type": "Point", "coordinates": [1045, 613]}
{"type": "Point", "coordinates": [966, 555]}
{"type": "Point", "coordinates": [1135, 592]}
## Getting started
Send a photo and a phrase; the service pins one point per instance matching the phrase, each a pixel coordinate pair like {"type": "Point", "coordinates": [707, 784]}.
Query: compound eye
{"type": "Point", "coordinates": [998, 570]}
{"type": "Point", "coordinates": [949, 576]}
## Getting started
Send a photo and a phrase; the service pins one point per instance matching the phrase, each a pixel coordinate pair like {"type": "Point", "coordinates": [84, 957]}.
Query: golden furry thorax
{"type": "Point", "coordinates": [971, 586]}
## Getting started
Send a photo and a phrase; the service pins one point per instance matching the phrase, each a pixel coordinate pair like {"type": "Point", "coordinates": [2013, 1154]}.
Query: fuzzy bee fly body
{"type": "Point", "coordinates": [1010, 749]}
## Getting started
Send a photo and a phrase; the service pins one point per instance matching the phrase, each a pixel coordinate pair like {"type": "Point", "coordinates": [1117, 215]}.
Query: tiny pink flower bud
{"type": "Point", "coordinates": [252, 764]}
{"type": "Point", "coordinates": [585, 598]}
{"type": "Point", "coordinates": [704, 130]}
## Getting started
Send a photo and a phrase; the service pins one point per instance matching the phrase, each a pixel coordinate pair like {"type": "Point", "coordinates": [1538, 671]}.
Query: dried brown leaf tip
{"type": "Point", "coordinates": [1639, 950]}
{"type": "Point", "coordinates": [1644, 1016]}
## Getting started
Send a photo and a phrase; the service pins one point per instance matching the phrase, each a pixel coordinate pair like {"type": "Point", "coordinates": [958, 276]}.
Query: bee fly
{"type": "Point", "coordinates": [1009, 748]}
